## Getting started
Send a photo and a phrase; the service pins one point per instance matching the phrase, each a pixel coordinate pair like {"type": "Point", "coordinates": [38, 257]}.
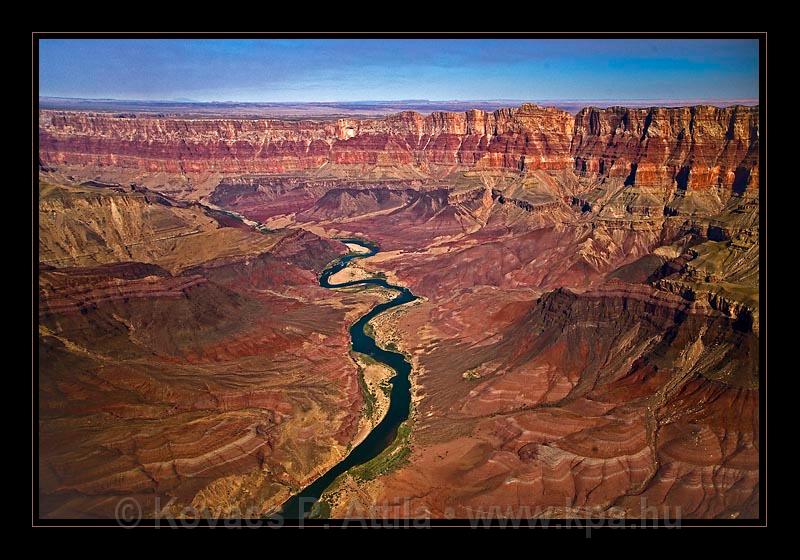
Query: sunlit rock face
{"type": "Point", "coordinates": [587, 342]}
{"type": "Point", "coordinates": [690, 148]}
{"type": "Point", "coordinates": [529, 136]}
{"type": "Point", "coordinates": [695, 147]}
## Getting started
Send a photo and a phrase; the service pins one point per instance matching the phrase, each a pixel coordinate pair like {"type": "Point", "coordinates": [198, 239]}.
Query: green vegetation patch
{"type": "Point", "coordinates": [320, 510]}
{"type": "Point", "coordinates": [390, 459]}
{"type": "Point", "coordinates": [363, 360]}
{"type": "Point", "coordinates": [369, 398]}
{"type": "Point", "coordinates": [352, 289]}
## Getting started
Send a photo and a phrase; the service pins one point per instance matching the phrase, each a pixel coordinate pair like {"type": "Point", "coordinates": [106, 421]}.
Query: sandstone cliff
{"type": "Point", "coordinates": [687, 148]}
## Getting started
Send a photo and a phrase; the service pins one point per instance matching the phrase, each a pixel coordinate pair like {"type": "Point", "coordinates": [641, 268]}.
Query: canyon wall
{"type": "Point", "coordinates": [689, 147]}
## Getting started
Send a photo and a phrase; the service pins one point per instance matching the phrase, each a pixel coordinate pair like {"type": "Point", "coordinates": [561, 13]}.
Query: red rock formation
{"type": "Point", "coordinates": [213, 371]}
{"type": "Point", "coordinates": [613, 402]}
{"type": "Point", "coordinates": [528, 137]}
{"type": "Point", "coordinates": [687, 147]}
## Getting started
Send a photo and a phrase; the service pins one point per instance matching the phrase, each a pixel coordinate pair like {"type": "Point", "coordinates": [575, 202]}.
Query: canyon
{"type": "Point", "coordinates": [585, 342]}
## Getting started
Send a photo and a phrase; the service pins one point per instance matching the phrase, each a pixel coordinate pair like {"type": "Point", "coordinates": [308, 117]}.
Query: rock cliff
{"type": "Point", "coordinates": [686, 148]}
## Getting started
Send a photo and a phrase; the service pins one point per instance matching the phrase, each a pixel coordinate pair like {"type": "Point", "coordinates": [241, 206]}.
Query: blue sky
{"type": "Point", "coordinates": [394, 69]}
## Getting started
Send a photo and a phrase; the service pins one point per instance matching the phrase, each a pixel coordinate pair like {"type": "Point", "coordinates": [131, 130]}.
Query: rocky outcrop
{"type": "Point", "coordinates": [686, 148]}
{"type": "Point", "coordinates": [526, 205]}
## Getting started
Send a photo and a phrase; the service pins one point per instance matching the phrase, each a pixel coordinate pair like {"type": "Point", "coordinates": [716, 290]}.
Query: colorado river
{"type": "Point", "coordinates": [385, 432]}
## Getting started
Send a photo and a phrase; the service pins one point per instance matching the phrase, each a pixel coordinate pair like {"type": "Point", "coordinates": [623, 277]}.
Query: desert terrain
{"type": "Point", "coordinates": [585, 343]}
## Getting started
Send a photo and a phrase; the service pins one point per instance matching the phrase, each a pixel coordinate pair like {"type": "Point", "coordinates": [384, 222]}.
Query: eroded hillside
{"type": "Point", "coordinates": [588, 342]}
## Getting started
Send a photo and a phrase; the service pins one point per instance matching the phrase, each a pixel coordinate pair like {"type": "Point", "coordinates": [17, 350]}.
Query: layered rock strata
{"type": "Point", "coordinates": [692, 147]}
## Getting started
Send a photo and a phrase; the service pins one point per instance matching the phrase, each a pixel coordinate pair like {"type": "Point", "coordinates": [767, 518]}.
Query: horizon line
{"type": "Point", "coordinates": [418, 100]}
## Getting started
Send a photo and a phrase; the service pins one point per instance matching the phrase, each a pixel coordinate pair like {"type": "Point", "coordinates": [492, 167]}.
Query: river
{"type": "Point", "coordinates": [384, 433]}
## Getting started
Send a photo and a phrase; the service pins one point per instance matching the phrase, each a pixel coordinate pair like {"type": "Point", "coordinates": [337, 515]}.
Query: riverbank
{"type": "Point", "coordinates": [350, 274]}
{"type": "Point", "coordinates": [391, 431]}
{"type": "Point", "coordinates": [356, 490]}
{"type": "Point", "coordinates": [358, 249]}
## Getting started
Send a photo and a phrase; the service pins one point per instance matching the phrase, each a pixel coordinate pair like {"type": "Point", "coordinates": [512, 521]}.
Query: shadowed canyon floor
{"type": "Point", "coordinates": [586, 342]}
